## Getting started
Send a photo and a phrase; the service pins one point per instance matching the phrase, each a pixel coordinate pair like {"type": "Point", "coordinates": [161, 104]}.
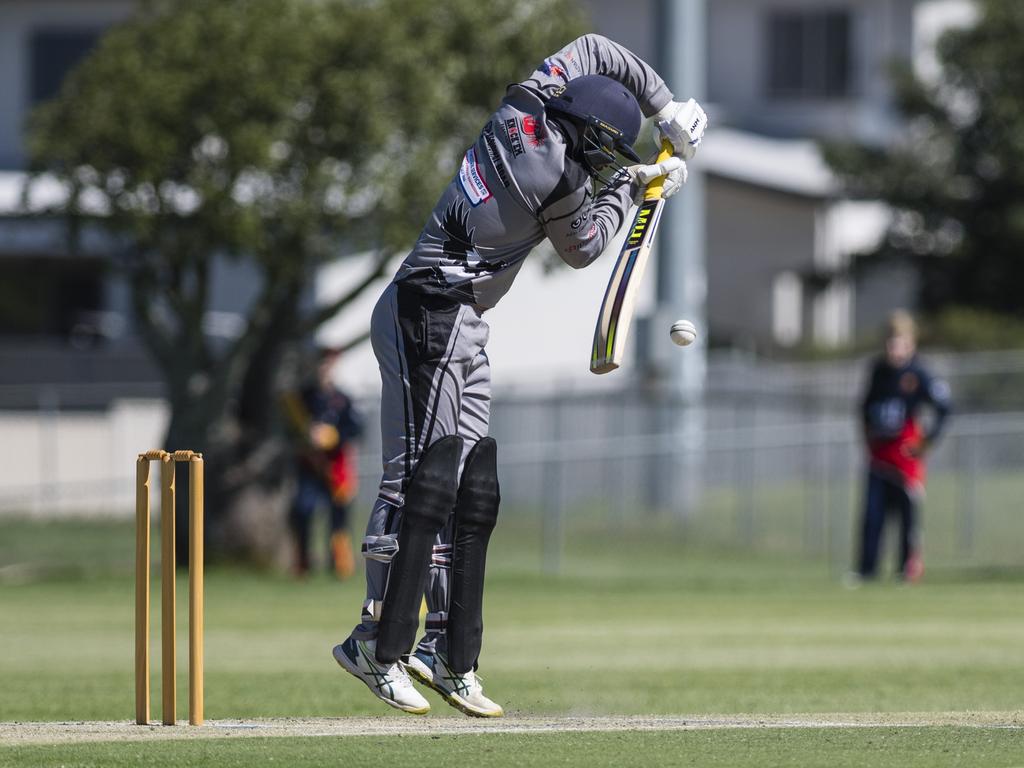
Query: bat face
{"type": "Point", "coordinates": [620, 295]}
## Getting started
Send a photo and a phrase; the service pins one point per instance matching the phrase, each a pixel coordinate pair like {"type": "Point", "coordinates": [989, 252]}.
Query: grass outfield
{"type": "Point", "coordinates": [635, 624]}
{"type": "Point", "coordinates": [853, 748]}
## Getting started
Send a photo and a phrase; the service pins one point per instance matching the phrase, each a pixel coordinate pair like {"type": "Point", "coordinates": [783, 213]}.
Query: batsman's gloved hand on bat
{"type": "Point", "coordinates": [683, 124]}
{"type": "Point", "coordinates": [673, 169]}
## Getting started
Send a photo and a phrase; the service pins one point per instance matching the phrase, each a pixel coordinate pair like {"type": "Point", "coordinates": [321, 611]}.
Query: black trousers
{"type": "Point", "coordinates": [883, 498]}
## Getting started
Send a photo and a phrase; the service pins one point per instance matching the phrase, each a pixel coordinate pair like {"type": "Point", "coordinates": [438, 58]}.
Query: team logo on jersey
{"type": "Point", "coordinates": [471, 178]}
{"type": "Point", "coordinates": [458, 240]}
{"type": "Point", "coordinates": [533, 131]}
{"type": "Point", "coordinates": [551, 69]}
{"type": "Point", "coordinates": [515, 137]}
{"type": "Point", "coordinates": [909, 382]}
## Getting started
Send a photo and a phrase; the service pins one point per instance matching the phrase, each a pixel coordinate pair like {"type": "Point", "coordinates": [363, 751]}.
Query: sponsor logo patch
{"type": "Point", "coordinates": [515, 137]}
{"type": "Point", "coordinates": [573, 64]}
{"type": "Point", "coordinates": [472, 179]}
{"type": "Point", "coordinates": [492, 153]}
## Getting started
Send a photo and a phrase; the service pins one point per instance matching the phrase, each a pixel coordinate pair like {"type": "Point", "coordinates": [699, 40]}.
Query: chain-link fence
{"type": "Point", "coordinates": [770, 460]}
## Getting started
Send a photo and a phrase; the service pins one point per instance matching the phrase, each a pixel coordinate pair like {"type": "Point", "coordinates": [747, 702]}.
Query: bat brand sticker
{"type": "Point", "coordinates": [472, 180]}
{"type": "Point", "coordinates": [643, 219]}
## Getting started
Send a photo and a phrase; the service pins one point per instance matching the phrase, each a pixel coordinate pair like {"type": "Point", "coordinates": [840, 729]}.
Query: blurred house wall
{"type": "Point", "coordinates": [738, 68]}
{"type": "Point", "coordinates": [22, 24]}
{"type": "Point", "coordinates": [741, 264]}
{"type": "Point", "coordinates": [751, 255]}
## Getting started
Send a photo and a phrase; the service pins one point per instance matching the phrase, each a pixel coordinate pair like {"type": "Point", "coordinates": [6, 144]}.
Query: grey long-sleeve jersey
{"type": "Point", "coordinates": [516, 185]}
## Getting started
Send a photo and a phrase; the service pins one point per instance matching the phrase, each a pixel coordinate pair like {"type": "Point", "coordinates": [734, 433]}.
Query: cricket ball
{"type": "Point", "coordinates": [683, 333]}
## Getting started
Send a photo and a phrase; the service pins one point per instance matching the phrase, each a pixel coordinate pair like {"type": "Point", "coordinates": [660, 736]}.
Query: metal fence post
{"type": "Point", "coordinates": [49, 449]}
{"type": "Point", "coordinates": [967, 498]}
{"type": "Point", "coordinates": [553, 502]}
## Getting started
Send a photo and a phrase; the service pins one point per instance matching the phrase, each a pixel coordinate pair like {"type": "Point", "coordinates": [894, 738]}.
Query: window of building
{"type": "Point", "coordinates": [787, 308]}
{"type": "Point", "coordinates": [53, 53]}
{"type": "Point", "coordinates": [41, 296]}
{"type": "Point", "coordinates": [809, 54]}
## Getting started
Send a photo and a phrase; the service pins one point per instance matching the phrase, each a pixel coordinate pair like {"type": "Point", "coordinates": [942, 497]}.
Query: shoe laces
{"type": "Point", "coordinates": [473, 681]}
{"type": "Point", "coordinates": [398, 676]}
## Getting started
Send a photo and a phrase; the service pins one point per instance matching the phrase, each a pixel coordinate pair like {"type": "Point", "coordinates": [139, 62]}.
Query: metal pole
{"type": "Point", "coordinates": [682, 276]}
{"type": "Point", "coordinates": [551, 525]}
{"type": "Point", "coordinates": [49, 456]}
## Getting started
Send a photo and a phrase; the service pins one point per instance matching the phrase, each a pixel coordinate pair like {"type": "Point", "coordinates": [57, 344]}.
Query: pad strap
{"type": "Point", "coordinates": [442, 556]}
{"type": "Point", "coordinates": [380, 548]}
{"type": "Point", "coordinates": [437, 621]}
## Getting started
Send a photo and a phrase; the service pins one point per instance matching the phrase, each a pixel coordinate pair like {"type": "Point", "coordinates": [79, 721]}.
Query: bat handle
{"type": "Point", "coordinates": [656, 186]}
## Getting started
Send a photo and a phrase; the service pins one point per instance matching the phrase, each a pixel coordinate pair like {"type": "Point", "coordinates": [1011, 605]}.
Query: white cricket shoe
{"type": "Point", "coordinates": [462, 691]}
{"type": "Point", "coordinates": [388, 682]}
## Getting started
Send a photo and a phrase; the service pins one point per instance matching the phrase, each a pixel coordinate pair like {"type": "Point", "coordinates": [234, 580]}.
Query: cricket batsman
{"type": "Point", "coordinates": [544, 166]}
{"type": "Point", "coordinates": [899, 391]}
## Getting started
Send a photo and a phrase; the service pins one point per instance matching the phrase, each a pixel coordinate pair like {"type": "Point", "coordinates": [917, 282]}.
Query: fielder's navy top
{"type": "Point", "coordinates": [897, 395]}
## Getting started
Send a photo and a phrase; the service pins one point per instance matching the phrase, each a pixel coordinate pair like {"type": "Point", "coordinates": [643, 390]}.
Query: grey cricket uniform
{"type": "Point", "coordinates": [515, 186]}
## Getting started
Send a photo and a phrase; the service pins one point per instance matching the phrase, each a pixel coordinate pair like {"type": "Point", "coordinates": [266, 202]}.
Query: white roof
{"type": "Point", "coordinates": [786, 165]}
{"type": "Point", "coordinates": [46, 192]}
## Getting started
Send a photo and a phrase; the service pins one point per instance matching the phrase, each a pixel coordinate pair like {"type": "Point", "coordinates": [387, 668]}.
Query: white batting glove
{"type": "Point", "coordinates": [674, 169]}
{"type": "Point", "coordinates": [683, 124]}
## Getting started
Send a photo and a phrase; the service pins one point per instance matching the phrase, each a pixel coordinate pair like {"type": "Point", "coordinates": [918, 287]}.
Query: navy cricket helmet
{"type": "Point", "coordinates": [607, 114]}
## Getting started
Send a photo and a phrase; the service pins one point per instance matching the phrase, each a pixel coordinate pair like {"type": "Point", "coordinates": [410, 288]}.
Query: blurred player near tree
{"type": "Point", "coordinates": [326, 426]}
{"type": "Point", "coordinates": [899, 391]}
{"type": "Point", "coordinates": [545, 167]}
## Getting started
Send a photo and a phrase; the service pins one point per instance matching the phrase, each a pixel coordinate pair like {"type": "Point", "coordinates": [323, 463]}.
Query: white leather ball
{"type": "Point", "coordinates": [683, 333]}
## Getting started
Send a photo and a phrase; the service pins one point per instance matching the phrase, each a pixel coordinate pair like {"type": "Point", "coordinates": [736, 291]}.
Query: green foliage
{"type": "Point", "coordinates": [294, 123]}
{"type": "Point", "coordinates": [971, 329]}
{"type": "Point", "coordinates": [957, 180]}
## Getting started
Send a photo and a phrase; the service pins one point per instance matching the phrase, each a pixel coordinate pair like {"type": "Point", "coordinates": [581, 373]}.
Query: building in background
{"type": "Point", "coordinates": [78, 395]}
{"type": "Point", "coordinates": [781, 74]}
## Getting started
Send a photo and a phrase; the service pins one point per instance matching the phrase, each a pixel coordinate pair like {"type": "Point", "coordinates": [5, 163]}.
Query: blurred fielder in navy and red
{"type": "Point", "coordinates": [326, 425]}
{"type": "Point", "coordinates": [900, 390]}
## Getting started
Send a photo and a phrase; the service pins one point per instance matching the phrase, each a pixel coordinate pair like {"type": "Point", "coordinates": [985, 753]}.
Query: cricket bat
{"type": "Point", "coordinates": [620, 296]}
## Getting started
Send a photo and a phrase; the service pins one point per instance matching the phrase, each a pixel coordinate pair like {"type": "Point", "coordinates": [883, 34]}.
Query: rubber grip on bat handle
{"type": "Point", "coordinates": [655, 188]}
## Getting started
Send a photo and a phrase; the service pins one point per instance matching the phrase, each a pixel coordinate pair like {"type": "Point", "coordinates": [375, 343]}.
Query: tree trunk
{"type": "Point", "coordinates": [247, 460]}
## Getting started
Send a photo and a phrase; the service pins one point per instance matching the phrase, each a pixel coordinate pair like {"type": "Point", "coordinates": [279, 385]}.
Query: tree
{"type": "Point", "coordinates": [957, 181]}
{"type": "Point", "coordinates": [283, 134]}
